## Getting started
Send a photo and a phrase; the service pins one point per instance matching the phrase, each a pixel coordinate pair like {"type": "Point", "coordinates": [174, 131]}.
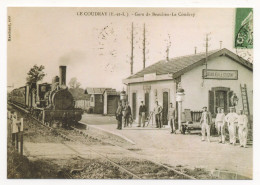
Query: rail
{"type": "Point", "coordinates": [105, 157]}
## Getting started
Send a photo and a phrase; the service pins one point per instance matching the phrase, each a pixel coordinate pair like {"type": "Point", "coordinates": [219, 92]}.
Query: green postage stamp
{"type": "Point", "coordinates": [244, 28]}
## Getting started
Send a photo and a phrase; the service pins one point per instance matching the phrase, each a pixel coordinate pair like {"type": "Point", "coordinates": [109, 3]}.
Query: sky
{"type": "Point", "coordinates": [97, 48]}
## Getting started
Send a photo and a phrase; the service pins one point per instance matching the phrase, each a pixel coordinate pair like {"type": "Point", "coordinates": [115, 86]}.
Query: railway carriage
{"type": "Point", "coordinates": [48, 102]}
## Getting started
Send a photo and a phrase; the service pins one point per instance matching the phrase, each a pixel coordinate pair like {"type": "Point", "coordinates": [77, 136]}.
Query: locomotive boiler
{"type": "Point", "coordinates": [49, 102]}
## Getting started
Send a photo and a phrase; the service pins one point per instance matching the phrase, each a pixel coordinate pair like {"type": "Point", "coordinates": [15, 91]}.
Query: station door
{"type": "Point", "coordinates": [134, 105]}
{"type": "Point", "coordinates": [147, 102]}
{"type": "Point", "coordinates": [165, 108]}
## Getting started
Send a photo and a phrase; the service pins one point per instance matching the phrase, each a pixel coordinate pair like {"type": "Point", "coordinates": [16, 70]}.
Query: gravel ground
{"type": "Point", "coordinates": [77, 167]}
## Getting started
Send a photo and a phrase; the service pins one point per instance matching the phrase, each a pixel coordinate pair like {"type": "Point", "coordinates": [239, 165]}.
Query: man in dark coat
{"type": "Point", "coordinates": [127, 114]}
{"type": "Point", "coordinates": [119, 115]}
{"type": "Point", "coordinates": [142, 111]}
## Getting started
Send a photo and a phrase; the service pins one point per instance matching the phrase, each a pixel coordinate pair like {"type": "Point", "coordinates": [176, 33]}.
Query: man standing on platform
{"type": "Point", "coordinates": [158, 112]}
{"type": "Point", "coordinates": [127, 114]}
{"type": "Point", "coordinates": [231, 119]}
{"type": "Point", "coordinates": [205, 124]}
{"type": "Point", "coordinates": [220, 125]}
{"type": "Point", "coordinates": [142, 111]}
{"type": "Point", "coordinates": [119, 115]}
{"type": "Point", "coordinates": [171, 117]}
{"type": "Point", "coordinates": [242, 128]}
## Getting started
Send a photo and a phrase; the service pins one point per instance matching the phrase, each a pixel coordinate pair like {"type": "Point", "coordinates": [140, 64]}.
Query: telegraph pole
{"type": "Point", "coordinates": [169, 43]}
{"type": "Point", "coordinates": [144, 48]}
{"type": "Point", "coordinates": [207, 45]}
{"type": "Point", "coordinates": [132, 48]}
{"type": "Point", "coordinates": [206, 57]}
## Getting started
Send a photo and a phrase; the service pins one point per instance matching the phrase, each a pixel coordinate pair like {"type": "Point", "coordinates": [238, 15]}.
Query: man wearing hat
{"type": "Point", "coordinates": [220, 124]}
{"type": "Point", "coordinates": [231, 119]}
{"type": "Point", "coordinates": [158, 117]}
{"type": "Point", "coordinates": [242, 128]}
{"type": "Point", "coordinates": [119, 115]}
{"type": "Point", "coordinates": [205, 122]}
{"type": "Point", "coordinates": [127, 114]}
{"type": "Point", "coordinates": [171, 117]}
{"type": "Point", "coordinates": [142, 110]}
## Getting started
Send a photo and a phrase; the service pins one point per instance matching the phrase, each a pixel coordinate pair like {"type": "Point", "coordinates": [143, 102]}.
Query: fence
{"type": "Point", "coordinates": [83, 104]}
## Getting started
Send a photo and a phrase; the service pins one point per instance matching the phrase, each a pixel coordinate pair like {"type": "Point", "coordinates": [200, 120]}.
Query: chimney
{"type": "Point", "coordinates": [63, 75]}
{"type": "Point", "coordinates": [195, 50]}
{"type": "Point", "coordinates": [220, 44]}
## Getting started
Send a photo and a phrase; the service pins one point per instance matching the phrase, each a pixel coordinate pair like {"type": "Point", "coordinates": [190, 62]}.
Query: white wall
{"type": "Point", "coordinates": [161, 86]}
{"type": "Point", "coordinates": [197, 96]}
{"type": "Point", "coordinates": [83, 104]}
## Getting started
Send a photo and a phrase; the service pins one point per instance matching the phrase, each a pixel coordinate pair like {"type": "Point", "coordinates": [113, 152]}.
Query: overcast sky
{"type": "Point", "coordinates": [96, 49]}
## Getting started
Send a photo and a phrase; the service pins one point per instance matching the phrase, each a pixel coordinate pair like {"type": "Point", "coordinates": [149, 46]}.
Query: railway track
{"type": "Point", "coordinates": [155, 162]}
{"type": "Point", "coordinates": [69, 137]}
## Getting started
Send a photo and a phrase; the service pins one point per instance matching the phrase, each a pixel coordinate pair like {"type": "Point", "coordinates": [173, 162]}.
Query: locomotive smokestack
{"type": "Point", "coordinates": [63, 75]}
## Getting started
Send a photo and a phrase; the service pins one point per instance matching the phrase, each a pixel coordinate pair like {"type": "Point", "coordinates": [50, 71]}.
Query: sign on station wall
{"type": "Point", "coordinates": [220, 74]}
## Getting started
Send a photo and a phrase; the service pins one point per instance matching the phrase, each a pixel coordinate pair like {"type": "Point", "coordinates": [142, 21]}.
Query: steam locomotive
{"type": "Point", "coordinates": [49, 103]}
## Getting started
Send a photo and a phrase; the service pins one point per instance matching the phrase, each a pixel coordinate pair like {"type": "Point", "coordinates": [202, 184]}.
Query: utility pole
{"type": "Point", "coordinates": [144, 48]}
{"type": "Point", "coordinates": [169, 43]}
{"type": "Point", "coordinates": [167, 53]}
{"type": "Point", "coordinates": [132, 48]}
{"type": "Point", "coordinates": [206, 57]}
{"type": "Point", "coordinates": [207, 46]}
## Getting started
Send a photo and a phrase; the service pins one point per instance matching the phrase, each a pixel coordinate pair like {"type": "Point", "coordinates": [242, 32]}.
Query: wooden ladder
{"type": "Point", "coordinates": [244, 99]}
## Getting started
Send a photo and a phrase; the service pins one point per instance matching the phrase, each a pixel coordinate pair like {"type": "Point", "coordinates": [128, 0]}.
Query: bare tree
{"type": "Point", "coordinates": [74, 84]}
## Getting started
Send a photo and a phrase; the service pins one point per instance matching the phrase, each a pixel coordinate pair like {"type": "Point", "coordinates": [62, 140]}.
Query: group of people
{"type": "Point", "coordinates": [157, 112]}
{"type": "Point", "coordinates": [232, 121]}
{"type": "Point", "coordinates": [124, 115]}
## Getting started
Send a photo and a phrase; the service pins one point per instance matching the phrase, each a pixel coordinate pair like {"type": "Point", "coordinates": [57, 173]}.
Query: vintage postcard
{"type": "Point", "coordinates": [130, 93]}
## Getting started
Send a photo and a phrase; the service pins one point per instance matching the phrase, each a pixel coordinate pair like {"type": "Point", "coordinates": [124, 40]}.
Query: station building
{"type": "Point", "coordinates": [212, 83]}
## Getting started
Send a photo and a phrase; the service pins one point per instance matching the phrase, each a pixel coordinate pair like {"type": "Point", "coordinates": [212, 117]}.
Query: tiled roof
{"type": "Point", "coordinates": [178, 64]}
{"type": "Point", "coordinates": [112, 92]}
{"type": "Point", "coordinates": [95, 90]}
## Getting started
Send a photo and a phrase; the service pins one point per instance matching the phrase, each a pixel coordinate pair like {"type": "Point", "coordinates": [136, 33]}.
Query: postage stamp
{"type": "Point", "coordinates": [244, 33]}
{"type": "Point", "coordinates": [244, 28]}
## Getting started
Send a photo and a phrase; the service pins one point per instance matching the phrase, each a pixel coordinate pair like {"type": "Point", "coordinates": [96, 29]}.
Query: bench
{"type": "Point", "coordinates": [191, 120]}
